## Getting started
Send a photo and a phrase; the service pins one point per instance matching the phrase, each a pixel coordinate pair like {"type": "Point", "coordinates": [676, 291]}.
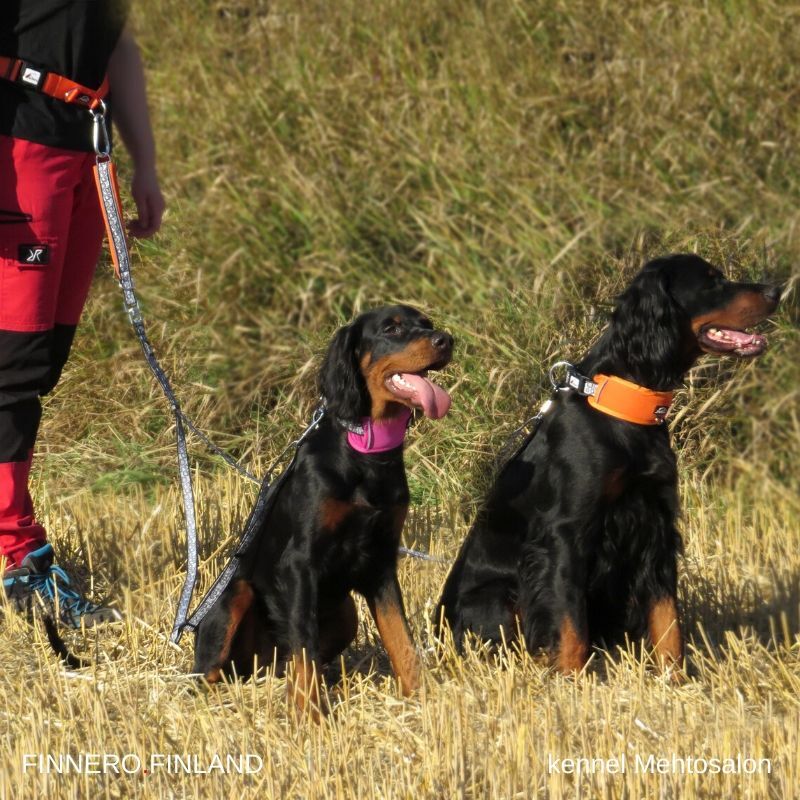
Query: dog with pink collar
{"type": "Point", "coordinates": [335, 524]}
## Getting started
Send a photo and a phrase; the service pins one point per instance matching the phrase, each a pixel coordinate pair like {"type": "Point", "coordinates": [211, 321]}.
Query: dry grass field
{"type": "Point", "coordinates": [506, 166]}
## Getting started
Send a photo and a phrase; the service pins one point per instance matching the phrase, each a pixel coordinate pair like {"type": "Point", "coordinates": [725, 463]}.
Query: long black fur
{"type": "Point", "coordinates": [341, 381]}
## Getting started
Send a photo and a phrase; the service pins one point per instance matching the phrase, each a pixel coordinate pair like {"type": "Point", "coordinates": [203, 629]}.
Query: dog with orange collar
{"type": "Point", "coordinates": [576, 544]}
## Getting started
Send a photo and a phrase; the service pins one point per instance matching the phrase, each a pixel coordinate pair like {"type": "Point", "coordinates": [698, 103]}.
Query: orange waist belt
{"type": "Point", "coordinates": [629, 401]}
{"type": "Point", "coordinates": [38, 79]}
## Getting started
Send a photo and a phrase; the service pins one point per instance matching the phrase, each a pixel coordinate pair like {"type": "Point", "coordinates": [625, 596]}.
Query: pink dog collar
{"type": "Point", "coordinates": [379, 437]}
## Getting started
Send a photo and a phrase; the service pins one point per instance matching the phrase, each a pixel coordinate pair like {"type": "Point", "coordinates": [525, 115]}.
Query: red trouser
{"type": "Point", "coordinates": [51, 231]}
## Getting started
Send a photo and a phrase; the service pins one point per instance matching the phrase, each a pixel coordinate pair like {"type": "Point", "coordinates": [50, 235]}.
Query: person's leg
{"type": "Point", "coordinates": [83, 246]}
{"type": "Point", "coordinates": [36, 197]}
{"type": "Point", "coordinates": [47, 258]}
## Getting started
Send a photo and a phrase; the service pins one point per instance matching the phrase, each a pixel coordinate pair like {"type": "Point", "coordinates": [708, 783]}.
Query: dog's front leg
{"type": "Point", "coordinates": [656, 586]}
{"type": "Point", "coordinates": [659, 599]}
{"type": "Point", "coordinates": [553, 590]}
{"type": "Point", "coordinates": [386, 606]}
{"type": "Point", "coordinates": [217, 632]}
{"type": "Point", "coordinates": [665, 633]}
{"type": "Point", "coordinates": [303, 679]}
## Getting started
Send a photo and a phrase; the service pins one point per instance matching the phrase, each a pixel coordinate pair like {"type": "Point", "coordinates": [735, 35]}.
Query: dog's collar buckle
{"type": "Point", "coordinates": [581, 384]}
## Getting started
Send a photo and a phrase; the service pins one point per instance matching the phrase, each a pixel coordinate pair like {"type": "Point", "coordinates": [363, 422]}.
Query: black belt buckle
{"type": "Point", "coordinates": [31, 75]}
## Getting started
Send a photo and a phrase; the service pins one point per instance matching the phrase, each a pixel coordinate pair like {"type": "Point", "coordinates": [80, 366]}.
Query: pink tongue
{"type": "Point", "coordinates": [434, 400]}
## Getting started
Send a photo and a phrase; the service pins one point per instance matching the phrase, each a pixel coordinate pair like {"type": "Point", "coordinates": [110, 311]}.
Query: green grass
{"type": "Point", "coordinates": [507, 167]}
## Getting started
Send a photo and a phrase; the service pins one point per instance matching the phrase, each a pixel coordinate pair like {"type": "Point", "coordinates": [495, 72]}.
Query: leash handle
{"type": "Point", "coordinates": [105, 179]}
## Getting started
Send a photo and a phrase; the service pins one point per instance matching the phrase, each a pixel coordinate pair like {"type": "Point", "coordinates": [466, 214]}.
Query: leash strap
{"type": "Point", "coordinates": [108, 191]}
{"type": "Point", "coordinates": [266, 497]}
{"type": "Point", "coordinates": [505, 455]}
{"type": "Point", "coordinates": [407, 551]}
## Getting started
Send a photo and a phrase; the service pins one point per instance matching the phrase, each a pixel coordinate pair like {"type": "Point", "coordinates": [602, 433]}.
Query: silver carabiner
{"type": "Point", "coordinates": [100, 138]}
{"type": "Point", "coordinates": [558, 386]}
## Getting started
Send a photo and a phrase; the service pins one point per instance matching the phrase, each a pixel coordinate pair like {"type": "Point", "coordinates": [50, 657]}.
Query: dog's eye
{"type": "Point", "coordinates": [392, 329]}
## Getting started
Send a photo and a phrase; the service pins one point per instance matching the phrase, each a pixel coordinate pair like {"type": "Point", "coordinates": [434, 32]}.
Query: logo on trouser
{"type": "Point", "coordinates": [33, 255]}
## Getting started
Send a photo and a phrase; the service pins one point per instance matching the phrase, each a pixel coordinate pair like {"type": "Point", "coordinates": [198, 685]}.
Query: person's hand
{"type": "Point", "coordinates": [149, 201]}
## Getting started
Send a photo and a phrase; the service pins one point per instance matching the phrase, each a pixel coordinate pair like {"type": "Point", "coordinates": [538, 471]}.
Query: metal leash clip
{"type": "Point", "coordinates": [100, 137]}
{"type": "Point", "coordinates": [560, 386]}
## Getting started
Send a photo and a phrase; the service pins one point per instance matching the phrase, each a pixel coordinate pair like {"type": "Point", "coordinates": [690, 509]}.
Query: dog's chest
{"type": "Point", "coordinates": [360, 545]}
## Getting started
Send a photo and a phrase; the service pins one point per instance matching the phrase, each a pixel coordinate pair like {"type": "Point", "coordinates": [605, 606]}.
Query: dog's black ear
{"type": "Point", "coordinates": [649, 329]}
{"type": "Point", "coordinates": [341, 381]}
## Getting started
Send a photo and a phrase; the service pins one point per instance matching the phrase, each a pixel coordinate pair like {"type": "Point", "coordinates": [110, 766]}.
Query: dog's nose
{"type": "Point", "coordinates": [772, 293]}
{"type": "Point", "coordinates": [442, 341]}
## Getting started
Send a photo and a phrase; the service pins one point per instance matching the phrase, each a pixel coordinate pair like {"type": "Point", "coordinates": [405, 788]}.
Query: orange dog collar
{"type": "Point", "coordinates": [629, 401]}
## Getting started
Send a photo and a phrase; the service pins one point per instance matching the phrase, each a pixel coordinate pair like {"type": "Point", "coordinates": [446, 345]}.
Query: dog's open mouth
{"type": "Point", "coordinates": [415, 388]}
{"type": "Point", "coordinates": [729, 340]}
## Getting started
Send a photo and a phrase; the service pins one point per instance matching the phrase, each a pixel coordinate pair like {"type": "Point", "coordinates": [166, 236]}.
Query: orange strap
{"type": "Point", "coordinates": [33, 77]}
{"type": "Point", "coordinates": [629, 401]}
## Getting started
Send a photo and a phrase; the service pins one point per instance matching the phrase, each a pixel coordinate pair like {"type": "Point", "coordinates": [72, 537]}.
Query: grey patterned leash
{"type": "Point", "coordinates": [109, 200]}
{"type": "Point", "coordinates": [266, 496]}
{"type": "Point", "coordinates": [533, 423]}
{"type": "Point", "coordinates": [407, 551]}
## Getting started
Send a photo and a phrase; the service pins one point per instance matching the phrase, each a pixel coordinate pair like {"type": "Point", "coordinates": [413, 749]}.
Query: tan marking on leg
{"type": "Point", "coordinates": [396, 638]}
{"type": "Point", "coordinates": [573, 649]}
{"type": "Point", "coordinates": [238, 606]}
{"type": "Point", "coordinates": [665, 632]}
{"type": "Point", "coordinates": [244, 646]}
{"type": "Point", "coordinates": [214, 675]}
{"type": "Point", "coordinates": [303, 686]}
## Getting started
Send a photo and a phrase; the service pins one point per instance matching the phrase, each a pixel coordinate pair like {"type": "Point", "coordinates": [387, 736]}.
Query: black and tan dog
{"type": "Point", "coordinates": [335, 525]}
{"type": "Point", "coordinates": [576, 543]}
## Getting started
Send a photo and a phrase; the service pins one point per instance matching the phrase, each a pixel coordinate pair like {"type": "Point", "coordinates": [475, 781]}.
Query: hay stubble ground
{"type": "Point", "coordinates": [505, 166]}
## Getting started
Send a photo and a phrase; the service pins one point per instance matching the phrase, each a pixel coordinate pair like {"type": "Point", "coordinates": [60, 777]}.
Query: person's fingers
{"type": "Point", "coordinates": [143, 207]}
{"type": "Point", "coordinates": [150, 207]}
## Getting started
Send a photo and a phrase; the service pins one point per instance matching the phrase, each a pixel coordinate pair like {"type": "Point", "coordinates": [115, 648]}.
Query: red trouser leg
{"type": "Point", "coordinates": [19, 532]}
{"type": "Point", "coordinates": [50, 236]}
